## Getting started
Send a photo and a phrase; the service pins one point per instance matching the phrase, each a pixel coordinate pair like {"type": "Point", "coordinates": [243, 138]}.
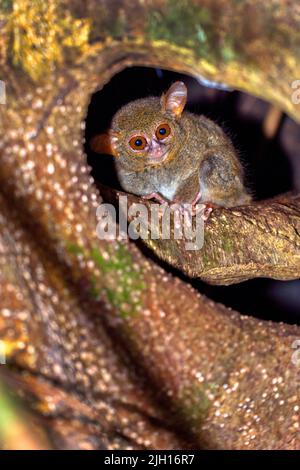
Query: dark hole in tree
{"type": "Point", "coordinates": [271, 165]}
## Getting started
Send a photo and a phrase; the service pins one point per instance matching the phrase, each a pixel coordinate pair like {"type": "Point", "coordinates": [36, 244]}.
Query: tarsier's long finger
{"type": "Point", "coordinates": [205, 210]}
{"type": "Point", "coordinates": [206, 213]}
{"type": "Point", "coordinates": [196, 198]}
{"type": "Point", "coordinates": [155, 196]}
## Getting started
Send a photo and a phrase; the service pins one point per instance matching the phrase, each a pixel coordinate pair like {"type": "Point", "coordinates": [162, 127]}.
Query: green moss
{"type": "Point", "coordinates": [195, 403]}
{"type": "Point", "coordinates": [189, 25]}
{"type": "Point", "coordinates": [127, 281]}
{"type": "Point", "coordinates": [227, 51]}
{"type": "Point", "coordinates": [228, 244]}
{"type": "Point", "coordinates": [94, 292]}
{"type": "Point", "coordinates": [118, 27]}
{"type": "Point", "coordinates": [202, 403]}
{"type": "Point", "coordinates": [184, 24]}
{"type": "Point", "coordinates": [206, 260]}
{"type": "Point", "coordinates": [39, 37]}
{"type": "Point", "coordinates": [123, 284]}
{"type": "Point", "coordinates": [100, 261]}
{"type": "Point", "coordinates": [7, 411]}
{"type": "Point", "coordinates": [74, 249]}
{"type": "Point", "coordinates": [6, 6]}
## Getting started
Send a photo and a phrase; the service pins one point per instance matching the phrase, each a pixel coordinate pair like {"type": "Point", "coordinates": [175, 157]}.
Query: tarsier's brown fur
{"type": "Point", "coordinates": [196, 158]}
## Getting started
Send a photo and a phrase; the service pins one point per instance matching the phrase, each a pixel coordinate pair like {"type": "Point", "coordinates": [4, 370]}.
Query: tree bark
{"type": "Point", "coordinates": [152, 363]}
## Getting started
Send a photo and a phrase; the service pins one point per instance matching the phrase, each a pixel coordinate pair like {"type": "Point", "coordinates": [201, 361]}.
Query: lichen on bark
{"type": "Point", "coordinates": [182, 371]}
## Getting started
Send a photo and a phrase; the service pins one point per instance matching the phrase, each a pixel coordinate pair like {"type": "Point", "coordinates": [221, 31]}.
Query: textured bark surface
{"type": "Point", "coordinates": [259, 240]}
{"type": "Point", "coordinates": [111, 350]}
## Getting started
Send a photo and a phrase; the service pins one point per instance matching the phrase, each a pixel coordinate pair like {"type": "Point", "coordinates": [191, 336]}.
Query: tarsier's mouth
{"type": "Point", "coordinates": [154, 160]}
{"type": "Point", "coordinates": [157, 156]}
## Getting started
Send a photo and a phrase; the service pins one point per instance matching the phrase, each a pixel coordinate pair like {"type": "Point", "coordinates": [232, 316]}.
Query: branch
{"type": "Point", "coordinates": [259, 240]}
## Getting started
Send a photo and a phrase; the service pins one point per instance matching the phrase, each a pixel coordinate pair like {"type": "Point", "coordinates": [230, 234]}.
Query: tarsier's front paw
{"type": "Point", "coordinates": [204, 209]}
{"type": "Point", "coordinates": [188, 209]}
{"type": "Point", "coordinates": [157, 197]}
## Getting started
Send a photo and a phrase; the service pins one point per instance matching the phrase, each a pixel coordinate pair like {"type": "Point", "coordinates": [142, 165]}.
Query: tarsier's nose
{"type": "Point", "coordinates": [155, 147]}
{"type": "Point", "coordinates": [155, 143]}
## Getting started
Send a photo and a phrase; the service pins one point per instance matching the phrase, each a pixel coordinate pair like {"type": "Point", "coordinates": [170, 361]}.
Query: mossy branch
{"type": "Point", "coordinates": [259, 240]}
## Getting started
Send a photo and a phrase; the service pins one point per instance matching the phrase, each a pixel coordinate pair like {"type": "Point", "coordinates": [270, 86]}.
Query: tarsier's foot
{"type": "Point", "coordinates": [190, 209]}
{"type": "Point", "coordinates": [205, 208]}
{"type": "Point", "coordinates": [159, 198]}
{"type": "Point", "coordinates": [193, 208]}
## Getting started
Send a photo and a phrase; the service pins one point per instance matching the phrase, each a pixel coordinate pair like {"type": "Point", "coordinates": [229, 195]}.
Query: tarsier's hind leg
{"type": "Point", "coordinates": [221, 179]}
{"type": "Point", "coordinates": [189, 196]}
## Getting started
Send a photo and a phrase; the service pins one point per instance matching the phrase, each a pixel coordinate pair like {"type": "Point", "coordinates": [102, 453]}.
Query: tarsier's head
{"type": "Point", "coordinates": [146, 132]}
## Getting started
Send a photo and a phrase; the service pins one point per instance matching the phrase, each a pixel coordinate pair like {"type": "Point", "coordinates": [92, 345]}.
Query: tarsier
{"type": "Point", "coordinates": [171, 155]}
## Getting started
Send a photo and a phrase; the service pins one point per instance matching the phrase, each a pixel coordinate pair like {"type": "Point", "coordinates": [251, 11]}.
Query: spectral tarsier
{"type": "Point", "coordinates": [173, 156]}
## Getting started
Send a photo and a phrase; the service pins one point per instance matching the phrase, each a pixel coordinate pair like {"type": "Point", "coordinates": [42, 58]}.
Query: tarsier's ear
{"type": "Point", "coordinates": [104, 143]}
{"type": "Point", "coordinates": [174, 99]}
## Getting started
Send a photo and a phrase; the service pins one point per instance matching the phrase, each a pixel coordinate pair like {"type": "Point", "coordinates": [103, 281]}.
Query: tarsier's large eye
{"type": "Point", "coordinates": [163, 131]}
{"type": "Point", "coordinates": [138, 142]}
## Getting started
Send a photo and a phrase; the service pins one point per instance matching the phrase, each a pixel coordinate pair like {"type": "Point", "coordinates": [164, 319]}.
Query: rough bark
{"type": "Point", "coordinates": [71, 304]}
{"type": "Point", "coordinates": [259, 240]}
